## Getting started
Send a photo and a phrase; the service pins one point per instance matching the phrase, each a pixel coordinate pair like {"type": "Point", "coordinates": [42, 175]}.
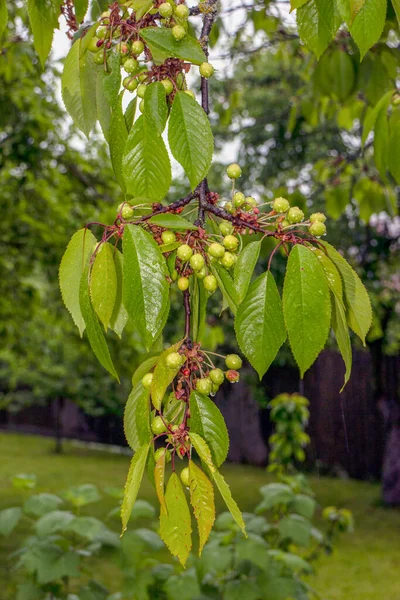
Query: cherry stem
{"type": "Point", "coordinates": [186, 305]}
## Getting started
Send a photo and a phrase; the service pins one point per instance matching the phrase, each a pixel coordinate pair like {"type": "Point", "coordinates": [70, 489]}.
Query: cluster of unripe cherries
{"type": "Point", "coordinates": [135, 55]}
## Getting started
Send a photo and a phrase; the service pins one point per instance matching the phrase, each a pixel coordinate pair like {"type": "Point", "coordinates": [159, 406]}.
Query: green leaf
{"type": "Point", "coordinates": [86, 527]}
{"type": "Point", "coordinates": [137, 418]}
{"type": "Point", "coordinates": [50, 563]}
{"type": "Point", "coordinates": [198, 306]}
{"type": "Point", "coordinates": [226, 285]}
{"type": "Point", "coordinates": [43, 17]}
{"type": "Point", "coordinates": [163, 376]}
{"type": "Point", "coordinates": [207, 421]}
{"type": "Point", "coordinates": [202, 500]}
{"type": "Point", "coordinates": [52, 522]}
{"type": "Point", "coordinates": [146, 166]}
{"type": "Point", "coordinates": [175, 522]}
{"type": "Point", "coordinates": [332, 274]}
{"type": "Point", "coordinates": [396, 6]}
{"type": "Point", "coordinates": [134, 479]}
{"type": "Point", "coordinates": [294, 4]}
{"type": "Point", "coordinates": [357, 302]}
{"type": "Point", "coordinates": [75, 259]}
{"type": "Point", "coordinates": [40, 504]}
{"type": "Point", "coordinates": [202, 450]}
{"type": "Point", "coordinates": [3, 16]}
{"type": "Point", "coordinates": [119, 316]}
{"type": "Point", "coordinates": [141, 7]}
{"type": "Point", "coordinates": [349, 9]}
{"type": "Point", "coordinates": [381, 144]}
{"type": "Point", "coordinates": [295, 528]}
{"type": "Point", "coordinates": [369, 122]}
{"type": "Point", "coordinates": [274, 494]}
{"type": "Point", "coordinates": [145, 289]}
{"type": "Point", "coordinates": [155, 106]}
{"type": "Point", "coordinates": [304, 505]}
{"type": "Point", "coordinates": [163, 45]}
{"type": "Point", "coordinates": [9, 519]}
{"type": "Point", "coordinates": [93, 328]}
{"type": "Point", "coordinates": [103, 283]}
{"type": "Point", "coordinates": [81, 8]}
{"type": "Point", "coordinates": [82, 495]}
{"type": "Point", "coordinates": [225, 492]}
{"type": "Point", "coordinates": [172, 222]}
{"type": "Point", "coordinates": [368, 25]}
{"type": "Point", "coordinates": [244, 268]}
{"type": "Point", "coordinates": [340, 329]}
{"type": "Point", "coordinates": [112, 79]}
{"type": "Point", "coordinates": [78, 87]}
{"type": "Point", "coordinates": [394, 152]}
{"type": "Point", "coordinates": [318, 22]}
{"type": "Point", "coordinates": [306, 306]}
{"type": "Point", "coordinates": [259, 324]}
{"type": "Point", "coordinates": [159, 477]}
{"type": "Point", "coordinates": [130, 114]}
{"type": "Point", "coordinates": [190, 137]}
{"type": "Point", "coordinates": [102, 106]}
{"type": "Point", "coordinates": [118, 135]}
{"type": "Point", "coordinates": [142, 369]}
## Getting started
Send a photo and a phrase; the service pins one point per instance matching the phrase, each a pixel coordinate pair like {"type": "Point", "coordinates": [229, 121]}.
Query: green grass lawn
{"type": "Point", "coordinates": [363, 566]}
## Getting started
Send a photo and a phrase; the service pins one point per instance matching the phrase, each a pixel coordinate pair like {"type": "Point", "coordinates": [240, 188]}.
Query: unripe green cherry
{"type": "Point", "coordinates": [141, 105]}
{"type": "Point", "coordinates": [225, 227]}
{"type": "Point", "coordinates": [217, 376]}
{"type": "Point", "coordinates": [185, 477]}
{"type": "Point", "coordinates": [180, 80]}
{"type": "Point", "coordinates": [131, 65]}
{"type": "Point", "coordinates": [160, 453]}
{"type": "Point", "coordinates": [143, 77]}
{"type": "Point", "coordinates": [191, 94]}
{"type": "Point", "coordinates": [204, 385]}
{"type": "Point", "coordinates": [318, 228]}
{"type": "Point", "coordinates": [295, 215]}
{"type": "Point", "coordinates": [141, 90]}
{"type": "Point", "coordinates": [178, 32]}
{"type": "Point", "coordinates": [98, 58]}
{"type": "Point", "coordinates": [184, 252]}
{"type": "Point", "coordinates": [197, 262]}
{"type": "Point", "coordinates": [157, 426]}
{"type": "Point", "coordinates": [174, 275]}
{"type": "Point", "coordinates": [231, 242]}
{"type": "Point", "coordinates": [146, 380]}
{"type": "Point", "coordinates": [92, 46]}
{"type": "Point", "coordinates": [319, 216]}
{"type": "Point", "coordinates": [182, 12]}
{"type": "Point", "coordinates": [214, 388]}
{"type": "Point", "coordinates": [183, 283]}
{"type": "Point", "coordinates": [280, 205]}
{"type": "Point", "coordinates": [217, 250]}
{"type": "Point", "coordinates": [232, 376]}
{"type": "Point", "coordinates": [174, 360]}
{"type": "Point", "coordinates": [202, 273]}
{"type": "Point", "coordinates": [234, 171]}
{"type": "Point", "coordinates": [228, 260]}
{"type": "Point", "coordinates": [127, 212]}
{"type": "Point", "coordinates": [250, 201]}
{"type": "Point", "coordinates": [137, 47]}
{"type": "Point", "coordinates": [210, 283]}
{"type": "Point", "coordinates": [101, 32]}
{"type": "Point", "coordinates": [229, 207]}
{"type": "Point", "coordinates": [165, 10]}
{"type": "Point", "coordinates": [233, 361]}
{"type": "Point", "coordinates": [206, 70]}
{"type": "Point", "coordinates": [168, 237]}
{"type": "Point", "coordinates": [285, 223]}
{"type": "Point", "coordinates": [123, 49]}
{"type": "Point", "coordinates": [238, 199]}
{"type": "Point", "coordinates": [130, 83]}
{"type": "Point", "coordinates": [168, 86]}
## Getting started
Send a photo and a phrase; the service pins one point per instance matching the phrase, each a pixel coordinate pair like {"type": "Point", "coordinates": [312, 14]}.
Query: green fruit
{"type": "Point", "coordinates": [225, 227]}
{"type": "Point", "coordinates": [319, 216]}
{"type": "Point", "coordinates": [197, 262]}
{"type": "Point", "coordinates": [295, 215]}
{"type": "Point", "coordinates": [174, 360]}
{"type": "Point", "coordinates": [184, 252]}
{"type": "Point", "coordinates": [137, 47]}
{"type": "Point", "coordinates": [229, 207]}
{"type": "Point", "coordinates": [280, 205]}
{"type": "Point", "coordinates": [185, 477]}
{"type": "Point", "coordinates": [141, 90]}
{"type": "Point", "coordinates": [157, 426]}
{"type": "Point", "coordinates": [217, 376]}
{"type": "Point", "coordinates": [250, 201]}
{"type": "Point", "coordinates": [182, 12]}
{"type": "Point", "coordinates": [210, 283]}
{"type": "Point", "coordinates": [168, 86]}
{"type": "Point", "coordinates": [202, 273]}
{"type": "Point", "coordinates": [101, 32]}
{"type": "Point", "coordinates": [98, 58]}
{"type": "Point", "coordinates": [231, 242]}
{"type": "Point", "coordinates": [147, 379]}
{"type": "Point", "coordinates": [143, 77]}
{"type": "Point", "coordinates": [183, 283]}
{"type": "Point", "coordinates": [92, 46]}
{"type": "Point", "coordinates": [165, 10]}
{"type": "Point", "coordinates": [318, 228]}
{"type": "Point", "coordinates": [180, 80]}
{"type": "Point", "coordinates": [131, 65]}
{"type": "Point", "coordinates": [285, 223]}
{"type": "Point", "coordinates": [216, 250]}
{"type": "Point", "coordinates": [206, 70]}
{"type": "Point", "coordinates": [238, 199]}
{"type": "Point", "coordinates": [127, 212]}
{"type": "Point", "coordinates": [178, 32]}
{"type": "Point", "coordinates": [191, 94]}
{"type": "Point", "coordinates": [130, 83]}
{"type": "Point", "coordinates": [168, 237]}
{"type": "Point", "coordinates": [228, 260]}
{"type": "Point", "coordinates": [233, 361]}
{"type": "Point", "coordinates": [141, 106]}
{"type": "Point", "coordinates": [234, 171]}
{"type": "Point", "coordinates": [160, 453]}
{"type": "Point", "coordinates": [214, 388]}
{"type": "Point", "coordinates": [124, 50]}
{"type": "Point", "coordinates": [174, 275]}
{"type": "Point", "coordinates": [204, 385]}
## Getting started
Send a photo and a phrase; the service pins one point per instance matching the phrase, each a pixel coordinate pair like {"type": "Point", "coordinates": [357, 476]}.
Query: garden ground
{"type": "Point", "coordinates": [364, 565]}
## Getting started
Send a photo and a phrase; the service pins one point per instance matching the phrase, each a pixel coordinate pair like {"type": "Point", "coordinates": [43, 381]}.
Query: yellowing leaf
{"type": "Point", "coordinates": [163, 376]}
{"type": "Point", "coordinates": [202, 450]}
{"type": "Point", "coordinates": [225, 492]}
{"type": "Point", "coordinates": [202, 500]}
{"type": "Point", "coordinates": [134, 479]}
{"type": "Point", "coordinates": [159, 476]}
{"type": "Point", "coordinates": [103, 283]}
{"type": "Point", "coordinates": [175, 522]}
